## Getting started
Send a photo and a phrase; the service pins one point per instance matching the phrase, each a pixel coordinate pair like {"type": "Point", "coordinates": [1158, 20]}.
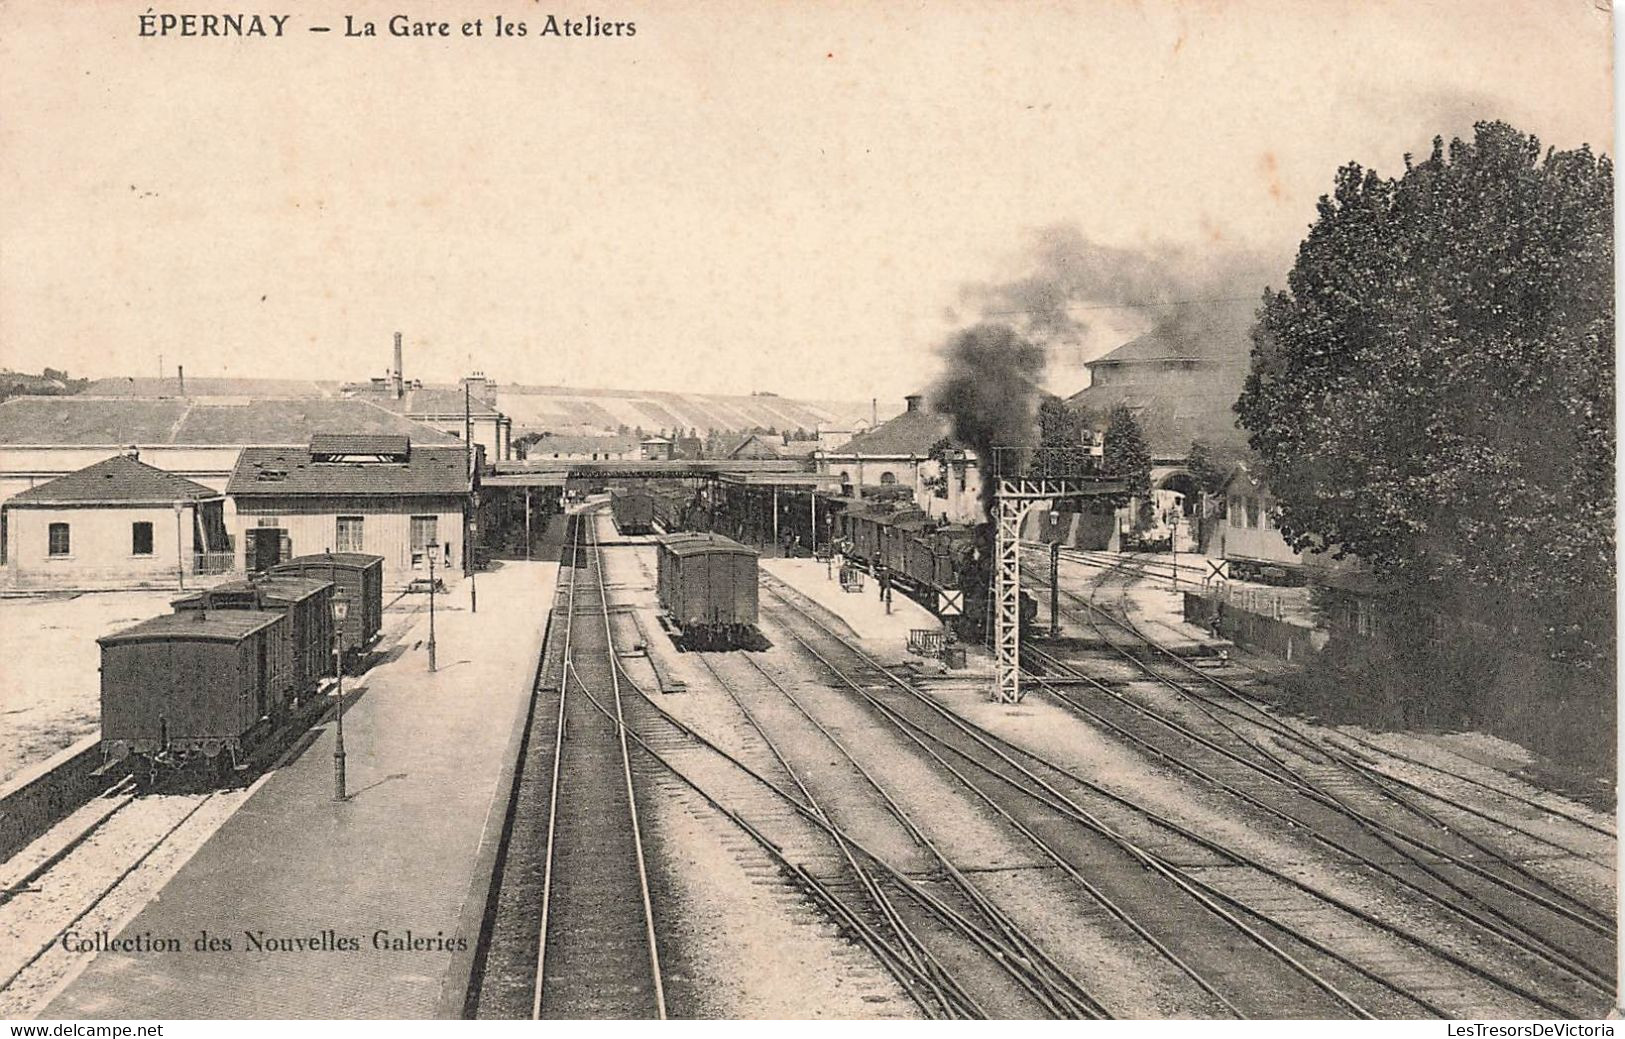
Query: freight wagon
{"type": "Point", "coordinates": [707, 588]}
{"type": "Point", "coordinates": [194, 684]}
{"type": "Point", "coordinates": [361, 577]}
{"type": "Point", "coordinates": [307, 602]}
{"type": "Point", "coordinates": [633, 511]}
{"type": "Point", "coordinates": [929, 562]}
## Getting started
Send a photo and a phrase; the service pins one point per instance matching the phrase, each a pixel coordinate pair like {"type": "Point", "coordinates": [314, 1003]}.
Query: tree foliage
{"type": "Point", "coordinates": [1126, 454]}
{"type": "Point", "coordinates": [1061, 449]}
{"type": "Point", "coordinates": [1433, 390]}
{"type": "Point", "coordinates": [1210, 468]}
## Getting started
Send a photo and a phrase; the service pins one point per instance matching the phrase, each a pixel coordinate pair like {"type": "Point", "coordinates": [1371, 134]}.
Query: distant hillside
{"type": "Point", "coordinates": [50, 383]}
{"type": "Point", "coordinates": [573, 411]}
{"type": "Point", "coordinates": [538, 409]}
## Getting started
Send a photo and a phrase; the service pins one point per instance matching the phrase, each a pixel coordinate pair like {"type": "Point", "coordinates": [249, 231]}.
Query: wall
{"type": "Point", "coordinates": [312, 527]}
{"type": "Point", "coordinates": [1282, 638]}
{"type": "Point", "coordinates": [957, 504]}
{"type": "Point", "coordinates": [488, 432]}
{"type": "Point", "coordinates": [25, 467]}
{"type": "Point", "coordinates": [99, 543]}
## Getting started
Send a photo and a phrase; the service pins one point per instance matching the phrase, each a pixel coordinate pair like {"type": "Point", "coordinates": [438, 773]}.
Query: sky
{"type": "Point", "coordinates": [774, 196]}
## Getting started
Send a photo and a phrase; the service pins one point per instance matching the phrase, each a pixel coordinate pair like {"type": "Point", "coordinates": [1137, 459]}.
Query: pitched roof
{"type": "Point", "coordinates": [359, 444]}
{"type": "Point", "coordinates": [283, 472]}
{"type": "Point", "coordinates": [103, 421]}
{"type": "Point", "coordinates": [120, 479]}
{"type": "Point", "coordinates": [756, 445]}
{"type": "Point", "coordinates": [569, 445]}
{"type": "Point", "coordinates": [911, 433]}
{"type": "Point", "coordinates": [1223, 336]}
{"type": "Point", "coordinates": [1174, 411]}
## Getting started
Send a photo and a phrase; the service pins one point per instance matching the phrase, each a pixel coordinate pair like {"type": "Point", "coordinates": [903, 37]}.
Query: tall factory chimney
{"type": "Point", "coordinates": [397, 378]}
{"type": "Point", "coordinates": [180, 378]}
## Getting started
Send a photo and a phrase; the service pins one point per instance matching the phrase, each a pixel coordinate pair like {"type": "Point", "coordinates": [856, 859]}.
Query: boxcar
{"type": "Point", "coordinates": [361, 577]}
{"type": "Point", "coordinates": [307, 602]}
{"type": "Point", "coordinates": [633, 511]}
{"type": "Point", "coordinates": [707, 586]}
{"type": "Point", "coordinates": [192, 683]}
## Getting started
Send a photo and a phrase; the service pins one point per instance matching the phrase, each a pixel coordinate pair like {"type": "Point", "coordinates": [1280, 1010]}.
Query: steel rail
{"type": "Point", "coordinates": [626, 765]}
{"type": "Point", "coordinates": [940, 979]}
{"type": "Point", "coordinates": [1587, 916]}
{"type": "Point", "coordinates": [1262, 717]}
{"type": "Point", "coordinates": [1022, 944]}
{"type": "Point", "coordinates": [812, 883]}
{"type": "Point", "coordinates": [1196, 889]}
{"type": "Point", "coordinates": [1239, 859]}
{"type": "Point", "coordinates": [101, 895]}
{"type": "Point", "coordinates": [553, 790]}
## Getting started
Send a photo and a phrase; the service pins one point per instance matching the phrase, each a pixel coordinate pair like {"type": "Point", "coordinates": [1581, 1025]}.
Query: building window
{"type": "Point", "coordinates": [349, 537]}
{"type": "Point", "coordinates": [1252, 512]}
{"type": "Point", "coordinates": [887, 479]}
{"type": "Point", "coordinates": [423, 534]}
{"type": "Point", "coordinates": [1236, 517]}
{"type": "Point", "coordinates": [141, 539]}
{"type": "Point", "coordinates": [58, 535]}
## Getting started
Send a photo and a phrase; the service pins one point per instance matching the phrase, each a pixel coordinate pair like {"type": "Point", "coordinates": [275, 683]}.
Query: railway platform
{"type": "Point", "coordinates": [861, 610]}
{"type": "Point", "coordinates": [301, 906]}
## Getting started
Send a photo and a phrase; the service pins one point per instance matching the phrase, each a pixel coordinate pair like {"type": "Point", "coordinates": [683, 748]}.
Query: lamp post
{"type": "Point", "coordinates": [341, 610]}
{"type": "Point", "coordinates": [433, 547]}
{"type": "Point", "coordinates": [180, 559]}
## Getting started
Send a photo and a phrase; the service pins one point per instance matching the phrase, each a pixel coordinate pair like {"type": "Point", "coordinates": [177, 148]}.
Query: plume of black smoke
{"type": "Point", "coordinates": [990, 391]}
{"type": "Point", "coordinates": [1073, 292]}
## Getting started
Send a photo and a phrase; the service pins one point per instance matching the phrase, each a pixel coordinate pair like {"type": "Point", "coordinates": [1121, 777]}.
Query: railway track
{"type": "Point", "coordinates": [1183, 911]}
{"type": "Point", "coordinates": [1113, 564]}
{"type": "Point", "coordinates": [950, 948]}
{"type": "Point", "coordinates": [958, 912]}
{"type": "Point", "coordinates": [75, 884]}
{"type": "Point", "coordinates": [570, 930]}
{"type": "Point", "coordinates": [1379, 947]}
{"type": "Point", "coordinates": [1347, 805]}
{"type": "Point", "coordinates": [597, 951]}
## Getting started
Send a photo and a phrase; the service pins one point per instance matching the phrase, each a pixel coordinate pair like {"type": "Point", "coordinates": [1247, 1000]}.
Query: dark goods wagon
{"type": "Point", "coordinates": [707, 585]}
{"type": "Point", "coordinates": [361, 578]}
{"type": "Point", "coordinates": [633, 511]}
{"type": "Point", "coordinates": [307, 602]}
{"type": "Point", "coordinates": [194, 684]}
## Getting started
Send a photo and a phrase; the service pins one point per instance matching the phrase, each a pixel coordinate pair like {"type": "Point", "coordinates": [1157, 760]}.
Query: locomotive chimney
{"type": "Point", "coordinates": [398, 376]}
{"type": "Point", "coordinates": [913, 401]}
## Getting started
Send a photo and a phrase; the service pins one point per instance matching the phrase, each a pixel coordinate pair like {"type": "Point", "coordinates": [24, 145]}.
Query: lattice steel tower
{"type": "Point", "coordinates": [1019, 487]}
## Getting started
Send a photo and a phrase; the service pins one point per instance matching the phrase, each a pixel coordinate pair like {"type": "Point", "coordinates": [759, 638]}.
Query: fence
{"type": "Point", "coordinates": [1253, 600]}
{"type": "Point", "coordinates": [214, 562]}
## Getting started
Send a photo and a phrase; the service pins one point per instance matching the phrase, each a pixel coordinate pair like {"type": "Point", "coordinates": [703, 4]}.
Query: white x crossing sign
{"type": "Point", "coordinates": [1217, 568]}
{"type": "Point", "coordinates": [950, 603]}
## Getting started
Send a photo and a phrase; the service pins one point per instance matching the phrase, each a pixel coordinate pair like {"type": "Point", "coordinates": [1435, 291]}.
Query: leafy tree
{"type": "Point", "coordinates": [1210, 467]}
{"type": "Point", "coordinates": [1061, 432]}
{"type": "Point", "coordinates": [1126, 454]}
{"type": "Point", "coordinates": [1433, 390]}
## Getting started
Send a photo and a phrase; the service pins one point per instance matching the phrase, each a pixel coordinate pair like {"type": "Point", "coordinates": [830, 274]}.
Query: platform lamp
{"type": "Point", "coordinates": [341, 610]}
{"type": "Point", "coordinates": [432, 548]}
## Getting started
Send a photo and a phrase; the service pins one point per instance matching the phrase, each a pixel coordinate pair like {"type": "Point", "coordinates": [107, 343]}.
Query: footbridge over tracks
{"type": "Point", "coordinates": [773, 501]}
